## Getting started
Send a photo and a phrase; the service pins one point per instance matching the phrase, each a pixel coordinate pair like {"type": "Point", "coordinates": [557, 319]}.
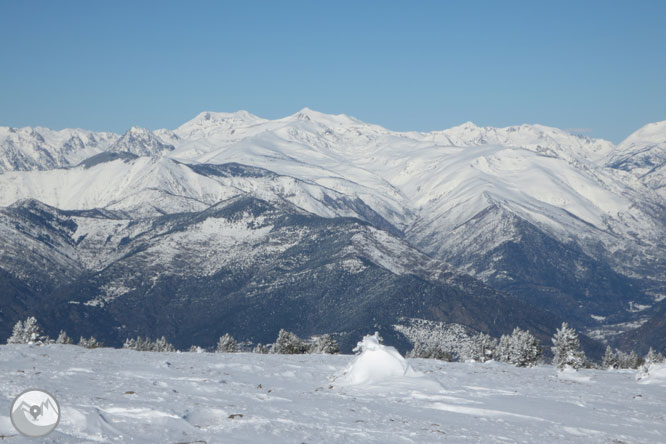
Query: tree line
{"type": "Point", "coordinates": [29, 332]}
{"type": "Point", "coordinates": [520, 348]}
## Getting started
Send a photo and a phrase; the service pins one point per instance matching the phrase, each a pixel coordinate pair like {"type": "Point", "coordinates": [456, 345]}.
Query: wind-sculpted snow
{"type": "Point", "coordinates": [376, 364]}
{"type": "Point", "coordinates": [110, 395]}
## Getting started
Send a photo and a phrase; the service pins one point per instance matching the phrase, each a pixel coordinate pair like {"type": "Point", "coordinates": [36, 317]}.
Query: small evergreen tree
{"type": "Point", "coordinates": [27, 332]}
{"type": "Point", "coordinates": [227, 344]}
{"type": "Point", "coordinates": [196, 349]}
{"type": "Point", "coordinates": [503, 351]}
{"type": "Point", "coordinates": [633, 360]}
{"type": "Point", "coordinates": [566, 348]}
{"type": "Point", "coordinates": [288, 343]}
{"type": "Point", "coordinates": [609, 361]}
{"type": "Point", "coordinates": [525, 349]}
{"type": "Point", "coordinates": [323, 344]}
{"type": "Point", "coordinates": [63, 338]}
{"type": "Point", "coordinates": [17, 336]}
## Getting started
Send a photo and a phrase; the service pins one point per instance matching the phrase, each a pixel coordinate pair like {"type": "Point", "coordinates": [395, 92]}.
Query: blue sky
{"type": "Point", "coordinates": [599, 67]}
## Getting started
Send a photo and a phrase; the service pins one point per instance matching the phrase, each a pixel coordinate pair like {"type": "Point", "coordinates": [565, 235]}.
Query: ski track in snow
{"type": "Point", "coordinates": [109, 395]}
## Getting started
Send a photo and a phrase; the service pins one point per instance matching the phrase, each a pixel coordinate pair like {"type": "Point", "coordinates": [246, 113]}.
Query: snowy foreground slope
{"type": "Point", "coordinates": [109, 395]}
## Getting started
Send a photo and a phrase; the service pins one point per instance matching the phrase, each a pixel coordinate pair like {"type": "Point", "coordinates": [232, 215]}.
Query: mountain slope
{"type": "Point", "coordinates": [643, 155]}
{"type": "Point", "coordinates": [140, 142]}
{"type": "Point", "coordinates": [248, 267]}
{"type": "Point", "coordinates": [572, 224]}
{"type": "Point", "coordinates": [24, 149]}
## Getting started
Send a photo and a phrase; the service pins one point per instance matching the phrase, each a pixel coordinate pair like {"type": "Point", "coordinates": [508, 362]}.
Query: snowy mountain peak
{"type": "Point", "coordinates": [644, 153]}
{"type": "Point", "coordinates": [208, 122]}
{"type": "Point", "coordinates": [652, 133]}
{"type": "Point", "coordinates": [214, 118]}
{"type": "Point", "coordinates": [141, 142]}
{"type": "Point", "coordinates": [39, 148]}
{"type": "Point", "coordinates": [548, 141]}
{"type": "Point", "coordinates": [307, 114]}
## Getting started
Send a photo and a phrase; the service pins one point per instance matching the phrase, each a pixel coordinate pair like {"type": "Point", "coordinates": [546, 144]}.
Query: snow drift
{"type": "Point", "coordinates": [376, 363]}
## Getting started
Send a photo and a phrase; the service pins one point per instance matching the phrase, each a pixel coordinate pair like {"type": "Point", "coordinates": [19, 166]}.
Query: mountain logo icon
{"type": "Point", "coordinates": [35, 413]}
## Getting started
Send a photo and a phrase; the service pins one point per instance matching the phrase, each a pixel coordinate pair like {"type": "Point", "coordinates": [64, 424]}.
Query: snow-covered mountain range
{"type": "Point", "coordinates": [569, 224]}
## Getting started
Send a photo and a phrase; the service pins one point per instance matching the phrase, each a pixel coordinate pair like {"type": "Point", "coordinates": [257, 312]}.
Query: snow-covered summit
{"type": "Point", "coordinates": [542, 139]}
{"type": "Point", "coordinates": [643, 151]}
{"type": "Point", "coordinates": [209, 123]}
{"type": "Point", "coordinates": [41, 148]}
{"type": "Point", "coordinates": [652, 133]}
{"type": "Point", "coordinates": [307, 114]}
{"type": "Point", "coordinates": [141, 142]}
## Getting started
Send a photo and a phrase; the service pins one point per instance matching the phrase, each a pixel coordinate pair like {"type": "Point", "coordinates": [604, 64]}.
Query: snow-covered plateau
{"type": "Point", "coordinates": [111, 395]}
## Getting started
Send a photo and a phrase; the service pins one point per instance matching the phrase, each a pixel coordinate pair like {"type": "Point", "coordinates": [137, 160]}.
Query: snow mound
{"type": "Point", "coordinates": [375, 363]}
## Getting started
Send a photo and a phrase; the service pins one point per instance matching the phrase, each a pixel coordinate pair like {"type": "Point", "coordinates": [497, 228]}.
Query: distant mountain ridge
{"type": "Point", "coordinates": [572, 225]}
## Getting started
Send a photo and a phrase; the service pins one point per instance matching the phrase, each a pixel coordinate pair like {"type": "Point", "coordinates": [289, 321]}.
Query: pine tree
{"type": "Point", "coordinates": [288, 343]}
{"type": "Point", "coordinates": [63, 338]}
{"type": "Point", "coordinates": [33, 331]}
{"type": "Point", "coordinates": [633, 360]}
{"type": "Point", "coordinates": [17, 336]}
{"type": "Point", "coordinates": [525, 350]}
{"type": "Point", "coordinates": [566, 348]}
{"type": "Point", "coordinates": [609, 360]}
{"type": "Point", "coordinates": [227, 344]}
{"type": "Point", "coordinates": [503, 351]}
{"type": "Point", "coordinates": [27, 332]}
